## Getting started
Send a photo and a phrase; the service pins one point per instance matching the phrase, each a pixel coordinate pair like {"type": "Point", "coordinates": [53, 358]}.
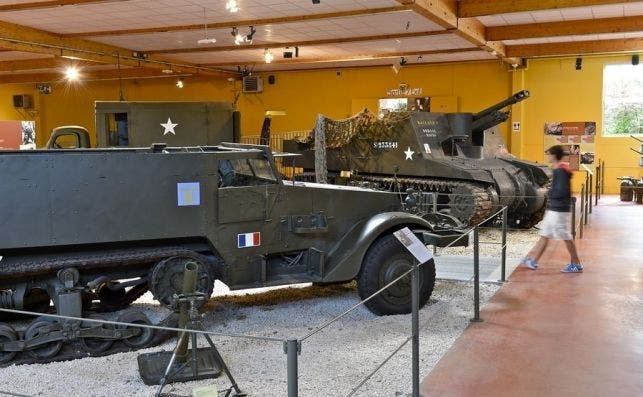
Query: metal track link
{"type": "Point", "coordinates": [482, 200]}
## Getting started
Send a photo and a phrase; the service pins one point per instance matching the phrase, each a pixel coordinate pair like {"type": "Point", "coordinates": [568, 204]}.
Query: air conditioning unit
{"type": "Point", "coordinates": [22, 101]}
{"type": "Point", "coordinates": [252, 84]}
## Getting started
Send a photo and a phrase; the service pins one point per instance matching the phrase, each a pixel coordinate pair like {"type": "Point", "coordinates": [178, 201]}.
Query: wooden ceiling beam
{"type": "Point", "coordinates": [445, 14]}
{"type": "Point", "coordinates": [41, 63]}
{"type": "Point", "coordinates": [110, 74]}
{"type": "Point", "coordinates": [23, 38]}
{"type": "Point", "coordinates": [36, 5]}
{"type": "Point", "coordinates": [477, 8]}
{"type": "Point", "coordinates": [566, 28]}
{"type": "Point", "coordinates": [576, 48]}
{"type": "Point", "coordinates": [308, 43]}
{"type": "Point", "coordinates": [247, 22]}
{"type": "Point", "coordinates": [352, 57]}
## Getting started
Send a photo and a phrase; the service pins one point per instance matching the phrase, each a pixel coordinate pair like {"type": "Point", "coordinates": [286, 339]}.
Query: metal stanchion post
{"type": "Point", "coordinates": [292, 349]}
{"type": "Point", "coordinates": [591, 189]}
{"type": "Point", "coordinates": [597, 190]}
{"type": "Point", "coordinates": [602, 177]}
{"type": "Point", "coordinates": [476, 276]}
{"type": "Point", "coordinates": [503, 259]}
{"type": "Point", "coordinates": [573, 218]}
{"type": "Point", "coordinates": [415, 328]}
{"type": "Point", "coordinates": [586, 205]}
{"type": "Point", "coordinates": [435, 210]}
{"type": "Point", "coordinates": [582, 209]}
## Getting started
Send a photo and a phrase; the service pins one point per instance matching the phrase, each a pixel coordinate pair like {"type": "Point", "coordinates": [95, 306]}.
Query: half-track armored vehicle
{"type": "Point", "coordinates": [434, 152]}
{"type": "Point", "coordinates": [141, 124]}
{"type": "Point", "coordinates": [92, 230]}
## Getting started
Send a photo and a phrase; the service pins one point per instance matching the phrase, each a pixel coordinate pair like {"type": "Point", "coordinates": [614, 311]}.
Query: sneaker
{"type": "Point", "coordinates": [573, 268]}
{"type": "Point", "coordinates": [530, 263]}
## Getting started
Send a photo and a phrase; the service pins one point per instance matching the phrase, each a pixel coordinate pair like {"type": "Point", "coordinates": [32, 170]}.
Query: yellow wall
{"type": "Point", "coordinates": [559, 93]}
{"type": "Point", "coordinates": [302, 94]}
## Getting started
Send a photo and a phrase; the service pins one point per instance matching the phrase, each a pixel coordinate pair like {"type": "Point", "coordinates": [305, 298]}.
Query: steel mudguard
{"type": "Point", "coordinates": [345, 259]}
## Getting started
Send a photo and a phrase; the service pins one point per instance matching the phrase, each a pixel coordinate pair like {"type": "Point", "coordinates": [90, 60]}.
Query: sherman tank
{"type": "Point", "coordinates": [443, 153]}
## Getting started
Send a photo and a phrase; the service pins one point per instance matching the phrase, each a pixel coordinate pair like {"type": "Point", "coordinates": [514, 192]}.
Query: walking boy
{"type": "Point", "coordinates": [556, 222]}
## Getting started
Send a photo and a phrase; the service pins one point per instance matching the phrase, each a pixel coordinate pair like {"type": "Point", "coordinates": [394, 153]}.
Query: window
{"type": "Point", "coordinates": [622, 100]}
{"type": "Point", "coordinates": [245, 172]}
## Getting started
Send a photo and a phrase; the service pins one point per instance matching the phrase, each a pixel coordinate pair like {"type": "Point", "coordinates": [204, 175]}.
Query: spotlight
{"type": "Point", "coordinates": [179, 83]}
{"type": "Point", "coordinates": [635, 59]}
{"type": "Point", "coordinates": [288, 53]}
{"type": "Point", "coordinates": [232, 6]}
{"type": "Point", "coordinates": [316, 1]}
{"type": "Point", "coordinates": [251, 34]}
{"type": "Point", "coordinates": [71, 73]}
{"type": "Point", "coordinates": [420, 58]}
{"type": "Point", "coordinates": [238, 37]}
{"type": "Point", "coordinates": [268, 56]}
{"type": "Point", "coordinates": [579, 63]}
{"type": "Point", "coordinates": [403, 61]}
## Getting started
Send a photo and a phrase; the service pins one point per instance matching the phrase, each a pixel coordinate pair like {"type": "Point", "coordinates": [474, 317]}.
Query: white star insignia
{"type": "Point", "coordinates": [169, 127]}
{"type": "Point", "coordinates": [409, 153]}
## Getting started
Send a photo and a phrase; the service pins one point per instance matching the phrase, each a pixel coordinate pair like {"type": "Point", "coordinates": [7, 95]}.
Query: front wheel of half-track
{"type": "Point", "coordinates": [386, 260]}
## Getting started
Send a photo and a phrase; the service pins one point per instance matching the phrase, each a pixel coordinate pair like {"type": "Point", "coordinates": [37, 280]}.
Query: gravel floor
{"type": "Point", "coordinates": [332, 362]}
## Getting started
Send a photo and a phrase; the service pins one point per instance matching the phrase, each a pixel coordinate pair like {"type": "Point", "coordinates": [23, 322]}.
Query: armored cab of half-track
{"type": "Point", "coordinates": [95, 229]}
{"type": "Point", "coordinates": [437, 152]}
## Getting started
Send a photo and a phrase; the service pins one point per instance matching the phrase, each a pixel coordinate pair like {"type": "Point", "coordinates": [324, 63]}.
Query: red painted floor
{"type": "Point", "coordinates": [546, 333]}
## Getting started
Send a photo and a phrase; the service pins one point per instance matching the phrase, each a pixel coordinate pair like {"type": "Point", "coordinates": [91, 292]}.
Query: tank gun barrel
{"type": "Point", "coordinates": [515, 98]}
{"type": "Point", "coordinates": [489, 120]}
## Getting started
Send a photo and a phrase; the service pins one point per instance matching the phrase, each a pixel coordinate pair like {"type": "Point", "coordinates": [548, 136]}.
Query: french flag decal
{"type": "Point", "coordinates": [246, 240]}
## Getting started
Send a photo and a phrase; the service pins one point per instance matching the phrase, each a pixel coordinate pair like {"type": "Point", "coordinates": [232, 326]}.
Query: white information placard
{"type": "Point", "coordinates": [413, 245]}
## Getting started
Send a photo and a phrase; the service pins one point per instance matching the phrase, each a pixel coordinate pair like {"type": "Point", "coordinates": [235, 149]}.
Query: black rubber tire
{"type": "Point", "coordinates": [166, 279]}
{"type": "Point", "coordinates": [96, 345]}
{"type": "Point", "coordinates": [7, 334]}
{"type": "Point", "coordinates": [145, 336]}
{"type": "Point", "coordinates": [34, 330]}
{"type": "Point", "coordinates": [384, 261]}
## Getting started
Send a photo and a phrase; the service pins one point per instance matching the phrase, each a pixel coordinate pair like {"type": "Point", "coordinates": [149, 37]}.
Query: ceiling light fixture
{"type": "Point", "coordinates": [232, 5]}
{"type": "Point", "coordinates": [72, 73]}
{"type": "Point", "coordinates": [251, 35]}
{"type": "Point", "coordinates": [206, 39]}
{"type": "Point", "coordinates": [268, 56]}
{"type": "Point", "coordinates": [403, 61]}
{"type": "Point", "coordinates": [316, 1]}
{"type": "Point", "coordinates": [179, 83]}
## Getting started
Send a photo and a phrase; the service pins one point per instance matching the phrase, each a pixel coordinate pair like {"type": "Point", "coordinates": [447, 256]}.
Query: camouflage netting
{"type": "Point", "coordinates": [361, 131]}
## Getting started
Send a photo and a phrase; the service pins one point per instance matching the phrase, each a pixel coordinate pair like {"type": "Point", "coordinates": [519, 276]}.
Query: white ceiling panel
{"type": "Point", "coordinates": [362, 49]}
{"type": "Point", "coordinates": [366, 25]}
{"type": "Point", "coordinates": [153, 13]}
{"type": "Point", "coordinates": [564, 14]}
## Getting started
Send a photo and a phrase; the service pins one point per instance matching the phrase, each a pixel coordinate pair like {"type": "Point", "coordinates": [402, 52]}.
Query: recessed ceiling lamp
{"type": "Point", "coordinates": [179, 83]}
{"type": "Point", "coordinates": [206, 39]}
{"type": "Point", "coordinates": [72, 73]}
{"type": "Point", "coordinates": [232, 5]}
{"type": "Point", "coordinates": [268, 56]}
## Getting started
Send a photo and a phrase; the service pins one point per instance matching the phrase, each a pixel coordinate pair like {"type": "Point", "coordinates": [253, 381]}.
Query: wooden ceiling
{"type": "Point", "coordinates": [159, 37]}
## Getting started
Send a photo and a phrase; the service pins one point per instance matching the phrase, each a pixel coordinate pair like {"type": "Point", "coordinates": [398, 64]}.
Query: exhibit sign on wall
{"type": "Point", "coordinates": [17, 135]}
{"type": "Point", "coordinates": [577, 138]}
